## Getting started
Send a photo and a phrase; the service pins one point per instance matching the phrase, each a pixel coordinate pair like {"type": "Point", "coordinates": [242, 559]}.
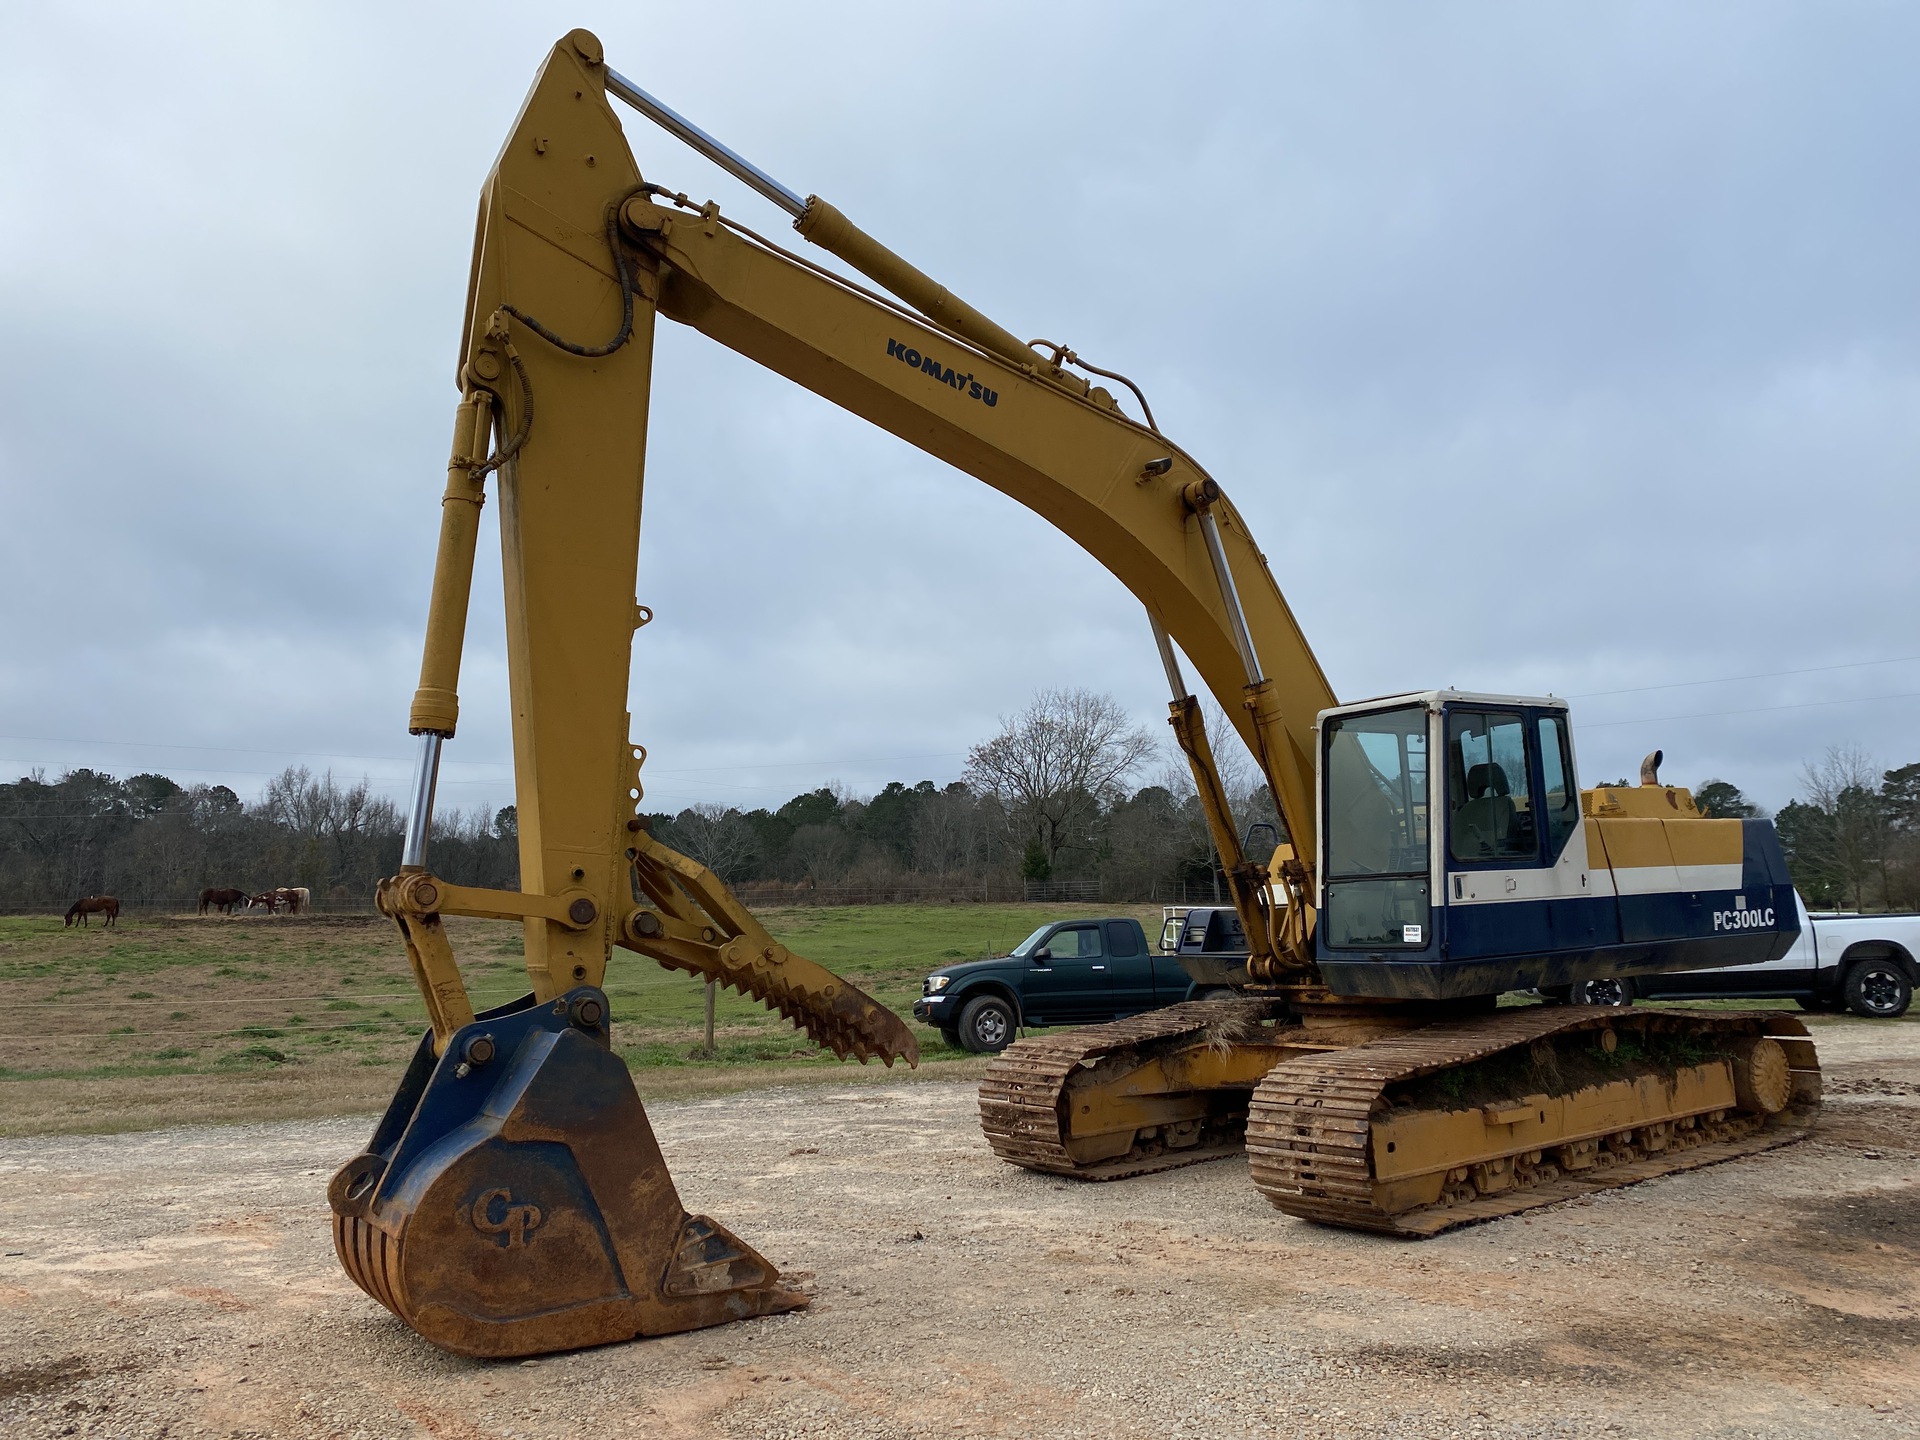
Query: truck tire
{"type": "Point", "coordinates": [1601, 992]}
{"type": "Point", "coordinates": [1878, 989]}
{"type": "Point", "coordinates": [986, 1025]}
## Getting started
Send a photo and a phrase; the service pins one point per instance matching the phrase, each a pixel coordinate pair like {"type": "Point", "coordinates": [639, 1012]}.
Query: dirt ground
{"type": "Point", "coordinates": [181, 1283]}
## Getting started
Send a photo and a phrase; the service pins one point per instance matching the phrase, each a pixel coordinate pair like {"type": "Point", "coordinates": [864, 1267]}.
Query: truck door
{"type": "Point", "coordinates": [1070, 984]}
{"type": "Point", "coordinates": [1130, 986]}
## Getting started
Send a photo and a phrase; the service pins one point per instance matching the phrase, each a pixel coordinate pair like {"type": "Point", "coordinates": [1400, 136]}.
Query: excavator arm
{"type": "Point", "coordinates": [513, 1199]}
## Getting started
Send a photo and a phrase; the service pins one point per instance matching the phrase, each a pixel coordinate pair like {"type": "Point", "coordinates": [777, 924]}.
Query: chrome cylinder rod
{"type": "Point", "coordinates": [413, 850]}
{"type": "Point", "coordinates": [1175, 682]}
{"type": "Point", "coordinates": [1210, 529]}
{"type": "Point", "coordinates": [728, 159]}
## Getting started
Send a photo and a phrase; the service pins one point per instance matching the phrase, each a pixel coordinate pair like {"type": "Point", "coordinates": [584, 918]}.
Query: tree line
{"type": "Point", "coordinates": [1853, 838]}
{"type": "Point", "coordinates": [1055, 796]}
{"type": "Point", "coordinates": [148, 840]}
{"type": "Point", "coordinates": [1052, 797]}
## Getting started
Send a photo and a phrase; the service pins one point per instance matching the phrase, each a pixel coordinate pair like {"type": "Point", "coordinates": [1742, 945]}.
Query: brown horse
{"type": "Point", "coordinates": [225, 900]}
{"type": "Point", "coordinates": [94, 905]}
{"type": "Point", "coordinates": [267, 899]}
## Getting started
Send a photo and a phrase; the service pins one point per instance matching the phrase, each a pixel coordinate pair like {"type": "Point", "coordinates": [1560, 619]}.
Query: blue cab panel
{"type": "Point", "coordinates": [1486, 949]}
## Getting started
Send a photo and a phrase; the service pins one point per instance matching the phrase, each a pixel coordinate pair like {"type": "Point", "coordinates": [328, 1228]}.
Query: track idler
{"type": "Point", "coordinates": [513, 1200]}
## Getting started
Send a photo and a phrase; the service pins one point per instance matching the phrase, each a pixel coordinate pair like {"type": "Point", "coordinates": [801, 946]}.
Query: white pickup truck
{"type": "Point", "coordinates": [1862, 963]}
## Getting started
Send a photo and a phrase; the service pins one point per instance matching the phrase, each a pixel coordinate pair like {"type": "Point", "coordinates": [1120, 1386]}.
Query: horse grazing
{"type": "Point", "coordinates": [226, 901]}
{"type": "Point", "coordinates": [295, 897]}
{"type": "Point", "coordinates": [105, 905]}
{"type": "Point", "coordinates": [267, 899]}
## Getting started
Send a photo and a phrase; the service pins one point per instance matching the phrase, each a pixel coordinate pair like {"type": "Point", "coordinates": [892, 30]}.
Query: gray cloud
{"type": "Point", "coordinates": [1544, 350]}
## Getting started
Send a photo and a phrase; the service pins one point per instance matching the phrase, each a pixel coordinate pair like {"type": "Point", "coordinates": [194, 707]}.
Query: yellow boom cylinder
{"type": "Point", "coordinates": [830, 230]}
{"type": "Point", "coordinates": [436, 704]}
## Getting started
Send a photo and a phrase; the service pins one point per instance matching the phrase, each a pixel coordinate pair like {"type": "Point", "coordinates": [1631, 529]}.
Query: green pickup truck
{"type": "Point", "coordinates": [1068, 972]}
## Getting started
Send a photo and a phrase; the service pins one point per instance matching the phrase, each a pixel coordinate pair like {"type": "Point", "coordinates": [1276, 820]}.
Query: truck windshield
{"type": "Point", "coordinates": [1026, 946]}
{"type": "Point", "coordinates": [1376, 780]}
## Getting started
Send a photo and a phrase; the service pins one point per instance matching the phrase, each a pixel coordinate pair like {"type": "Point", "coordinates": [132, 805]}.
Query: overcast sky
{"type": "Point", "coordinates": [1545, 348]}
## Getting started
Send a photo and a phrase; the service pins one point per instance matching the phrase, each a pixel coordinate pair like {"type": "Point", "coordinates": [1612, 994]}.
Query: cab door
{"type": "Point", "coordinates": [1517, 876]}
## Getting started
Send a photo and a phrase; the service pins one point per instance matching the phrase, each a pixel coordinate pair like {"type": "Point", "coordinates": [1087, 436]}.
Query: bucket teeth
{"type": "Point", "coordinates": [699, 926]}
{"type": "Point", "coordinates": [833, 1013]}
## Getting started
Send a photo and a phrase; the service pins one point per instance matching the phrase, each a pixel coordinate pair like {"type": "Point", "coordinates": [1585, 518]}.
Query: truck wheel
{"type": "Point", "coordinates": [1601, 992]}
{"type": "Point", "coordinates": [986, 1025]}
{"type": "Point", "coordinates": [1878, 989]}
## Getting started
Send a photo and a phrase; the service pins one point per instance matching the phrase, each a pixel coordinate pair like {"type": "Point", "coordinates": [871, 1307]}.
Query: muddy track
{"type": "Point", "coordinates": [1023, 1094]}
{"type": "Point", "coordinates": [1309, 1129]}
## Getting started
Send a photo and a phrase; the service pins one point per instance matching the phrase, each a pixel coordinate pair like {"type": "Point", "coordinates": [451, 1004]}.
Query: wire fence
{"type": "Point", "coordinates": [761, 894]}
{"type": "Point", "coordinates": [154, 905]}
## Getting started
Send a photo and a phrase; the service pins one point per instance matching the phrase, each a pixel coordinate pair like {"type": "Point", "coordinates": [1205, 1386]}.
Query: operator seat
{"type": "Point", "coordinates": [1483, 826]}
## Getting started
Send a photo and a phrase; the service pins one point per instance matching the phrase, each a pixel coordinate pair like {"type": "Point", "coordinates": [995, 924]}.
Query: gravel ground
{"type": "Point", "coordinates": [181, 1283]}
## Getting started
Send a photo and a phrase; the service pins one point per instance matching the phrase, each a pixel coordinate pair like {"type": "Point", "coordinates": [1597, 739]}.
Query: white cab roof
{"type": "Point", "coordinates": [1434, 699]}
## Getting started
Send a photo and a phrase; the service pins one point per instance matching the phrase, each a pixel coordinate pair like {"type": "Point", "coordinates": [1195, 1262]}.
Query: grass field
{"type": "Point", "coordinates": [180, 1020]}
{"type": "Point", "coordinates": [177, 1020]}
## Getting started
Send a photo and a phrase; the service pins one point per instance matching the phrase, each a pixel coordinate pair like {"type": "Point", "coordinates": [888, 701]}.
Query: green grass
{"type": "Point", "coordinates": [164, 1020]}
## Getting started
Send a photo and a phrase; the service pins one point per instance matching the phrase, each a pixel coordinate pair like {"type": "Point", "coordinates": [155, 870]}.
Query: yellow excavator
{"type": "Point", "coordinates": [1438, 851]}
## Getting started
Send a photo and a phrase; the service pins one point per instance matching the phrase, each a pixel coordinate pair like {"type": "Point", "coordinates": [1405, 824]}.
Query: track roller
{"type": "Point", "coordinates": [1454, 1123]}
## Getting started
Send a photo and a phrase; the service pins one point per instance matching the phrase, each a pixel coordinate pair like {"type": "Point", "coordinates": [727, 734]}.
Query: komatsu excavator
{"type": "Point", "coordinates": [1438, 850]}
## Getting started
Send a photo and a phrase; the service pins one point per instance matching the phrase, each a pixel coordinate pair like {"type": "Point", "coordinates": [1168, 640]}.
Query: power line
{"type": "Point", "coordinates": [1755, 710]}
{"type": "Point", "coordinates": [1729, 679]}
{"type": "Point", "coordinates": [899, 759]}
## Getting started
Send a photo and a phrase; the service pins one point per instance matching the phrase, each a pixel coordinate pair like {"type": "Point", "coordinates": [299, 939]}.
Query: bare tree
{"type": "Point", "coordinates": [1239, 776]}
{"type": "Point", "coordinates": [1246, 788]}
{"type": "Point", "coordinates": [1845, 785]}
{"type": "Point", "coordinates": [821, 853]}
{"type": "Point", "coordinates": [1057, 764]}
{"type": "Point", "coordinates": [943, 836]}
{"type": "Point", "coordinates": [718, 837]}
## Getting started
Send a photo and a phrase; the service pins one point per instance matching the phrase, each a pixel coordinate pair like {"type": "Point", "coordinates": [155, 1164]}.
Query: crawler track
{"type": "Point", "coordinates": [1311, 1127]}
{"type": "Point", "coordinates": [1022, 1097]}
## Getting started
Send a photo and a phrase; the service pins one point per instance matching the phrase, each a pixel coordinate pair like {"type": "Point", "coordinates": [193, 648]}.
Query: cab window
{"type": "Point", "coordinates": [1080, 942]}
{"type": "Point", "coordinates": [1489, 814]}
{"type": "Point", "coordinates": [1376, 779]}
{"type": "Point", "coordinates": [1121, 941]}
{"type": "Point", "coordinates": [1560, 805]}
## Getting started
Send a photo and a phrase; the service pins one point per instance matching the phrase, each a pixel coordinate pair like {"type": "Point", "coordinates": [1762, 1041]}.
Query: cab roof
{"type": "Point", "coordinates": [1435, 699]}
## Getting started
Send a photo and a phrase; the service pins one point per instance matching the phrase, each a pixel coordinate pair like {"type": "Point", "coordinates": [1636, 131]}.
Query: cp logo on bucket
{"type": "Point", "coordinates": [497, 1213]}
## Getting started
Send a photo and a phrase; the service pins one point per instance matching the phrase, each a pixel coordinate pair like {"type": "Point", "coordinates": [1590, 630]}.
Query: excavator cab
{"type": "Point", "coordinates": [1459, 857]}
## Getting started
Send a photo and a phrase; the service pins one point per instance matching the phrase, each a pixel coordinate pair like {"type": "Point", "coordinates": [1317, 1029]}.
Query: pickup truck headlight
{"type": "Point", "coordinates": [934, 984]}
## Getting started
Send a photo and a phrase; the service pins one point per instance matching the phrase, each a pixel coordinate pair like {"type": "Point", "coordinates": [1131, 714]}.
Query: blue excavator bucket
{"type": "Point", "coordinates": [513, 1200]}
